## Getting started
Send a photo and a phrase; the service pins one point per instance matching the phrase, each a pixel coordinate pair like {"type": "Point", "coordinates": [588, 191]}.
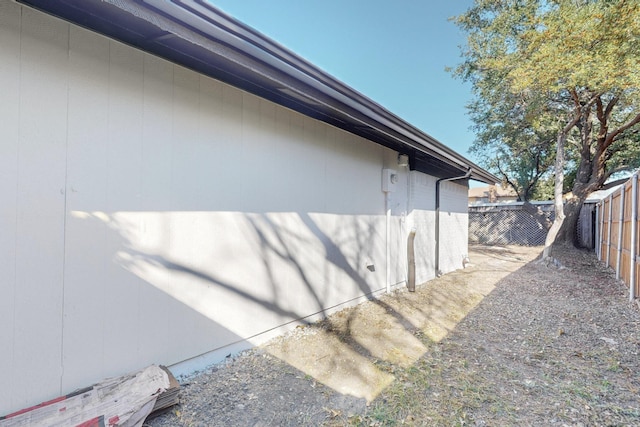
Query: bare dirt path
{"type": "Point", "coordinates": [506, 341]}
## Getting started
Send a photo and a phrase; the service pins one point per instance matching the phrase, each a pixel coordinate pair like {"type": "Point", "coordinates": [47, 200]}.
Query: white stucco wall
{"type": "Point", "coordinates": [423, 205]}
{"type": "Point", "coordinates": [454, 225]}
{"type": "Point", "coordinates": [154, 215]}
{"type": "Point", "coordinates": [454, 229]}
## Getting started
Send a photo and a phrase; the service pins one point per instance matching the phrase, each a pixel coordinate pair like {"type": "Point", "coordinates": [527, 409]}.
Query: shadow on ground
{"type": "Point", "coordinates": [354, 350]}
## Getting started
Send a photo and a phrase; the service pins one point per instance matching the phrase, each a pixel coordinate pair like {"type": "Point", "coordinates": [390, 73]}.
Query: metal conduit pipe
{"type": "Point", "coordinates": [437, 235]}
{"type": "Point", "coordinates": [411, 261]}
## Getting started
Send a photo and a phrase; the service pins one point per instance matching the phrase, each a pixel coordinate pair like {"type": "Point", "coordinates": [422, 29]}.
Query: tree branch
{"type": "Point", "coordinates": [610, 138]}
{"type": "Point", "coordinates": [610, 106]}
{"type": "Point", "coordinates": [506, 178]}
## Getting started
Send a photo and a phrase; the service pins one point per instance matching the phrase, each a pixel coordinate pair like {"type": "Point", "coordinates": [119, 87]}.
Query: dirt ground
{"type": "Point", "coordinates": [506, 341]}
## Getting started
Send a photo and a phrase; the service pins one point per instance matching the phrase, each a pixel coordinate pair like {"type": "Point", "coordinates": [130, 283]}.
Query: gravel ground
{"type": "Point", "coordinates": [507, 341]}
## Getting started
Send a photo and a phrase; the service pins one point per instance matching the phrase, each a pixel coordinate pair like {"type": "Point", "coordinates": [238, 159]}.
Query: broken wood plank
{"type": "Point", "coordinates": [167, 398]}
{"type": "Point", "coordinates": [123, 401]}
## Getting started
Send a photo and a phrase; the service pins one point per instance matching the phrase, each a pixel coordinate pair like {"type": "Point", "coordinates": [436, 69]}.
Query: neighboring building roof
{"type": "Point", "coordinates": [196, 35]}
{"type": "Point", "coordinates": [607, 189]}
{"type": "Point", "coordinates": [497, 190]}
{"type": "Point", "coordinates": [598, 195]}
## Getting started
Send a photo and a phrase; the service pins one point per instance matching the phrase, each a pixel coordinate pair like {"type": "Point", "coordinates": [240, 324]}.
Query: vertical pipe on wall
{"type": "Point", "coordinates": [411, 261]}
{"type": "Point", "coordinates": [634, 243]}
{"type": "Point", "coordinates": [437, 221]}
{"type": "Point", "coordinates": [620, 230]}
{"type": "Point", "coordinates": [387, 207]}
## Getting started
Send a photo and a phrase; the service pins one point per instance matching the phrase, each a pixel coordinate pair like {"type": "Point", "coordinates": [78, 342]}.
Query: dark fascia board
{"type": "Point", "coordinates": [194, 34]}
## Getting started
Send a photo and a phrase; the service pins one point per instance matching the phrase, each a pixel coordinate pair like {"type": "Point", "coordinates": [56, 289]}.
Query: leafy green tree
{"type": "Point", "coordinates": [511, 146]}
{"type": "Point", "coordinates": [573, 63]}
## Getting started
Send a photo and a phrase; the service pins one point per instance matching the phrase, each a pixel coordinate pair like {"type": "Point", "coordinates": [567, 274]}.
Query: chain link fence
{"type": "Point", "coordinates": [495, 224]}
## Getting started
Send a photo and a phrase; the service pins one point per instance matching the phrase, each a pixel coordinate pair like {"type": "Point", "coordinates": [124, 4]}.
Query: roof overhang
{"type": "Point", "coordinates": [196, 35]}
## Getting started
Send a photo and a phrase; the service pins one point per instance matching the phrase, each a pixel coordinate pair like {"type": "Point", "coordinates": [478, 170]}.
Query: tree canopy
{"type": "Point", "coordinates": [555, 76]}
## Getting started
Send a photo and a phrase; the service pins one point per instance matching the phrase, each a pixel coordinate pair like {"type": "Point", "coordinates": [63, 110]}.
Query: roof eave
{"type": "Point", "coordinates": [194, 34]}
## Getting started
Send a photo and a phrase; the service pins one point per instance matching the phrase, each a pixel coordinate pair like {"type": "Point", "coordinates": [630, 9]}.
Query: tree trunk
{"type": "Point", "coordinates": [568, 233]}
{"type": "Point", "coordinates": [557, 193]}
{"type": "Point", "coordinates": [591, 171]}
{"type": "Point", "coordinates": [537, 214]}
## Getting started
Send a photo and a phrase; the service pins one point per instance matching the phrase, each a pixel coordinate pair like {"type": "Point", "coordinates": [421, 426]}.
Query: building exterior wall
{"type": "Point", "coordinates": [453, 225]}
{"type": "Point", "coordinates": [423, 202]}
{"type": "Point", "coordinates": [154, 215]}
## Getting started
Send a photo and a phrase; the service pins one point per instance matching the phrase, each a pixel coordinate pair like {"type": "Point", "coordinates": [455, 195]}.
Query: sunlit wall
{"type": "Point", "coordinates": [154, 215]}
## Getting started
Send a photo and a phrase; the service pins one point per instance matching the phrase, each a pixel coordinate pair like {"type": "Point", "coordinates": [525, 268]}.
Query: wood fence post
{"type": "Point", "coordinates": [620, 230]}
{"type": "Point", "coordinates": [634, 243]}
{"type": "Point", "coordinates": [610, 219]}
{"type": "Point", "coordinates": [597, 225]}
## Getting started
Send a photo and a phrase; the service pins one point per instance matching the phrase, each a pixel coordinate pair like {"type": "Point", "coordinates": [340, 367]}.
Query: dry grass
{"type": "Point", "coordinates": [507, 341]}
{"type": "Point", "coordinates": [547, 346]}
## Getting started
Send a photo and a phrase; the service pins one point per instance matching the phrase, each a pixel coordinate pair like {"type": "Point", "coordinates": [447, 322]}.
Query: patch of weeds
{"type": "Point", "coordinates": [632, 413]}
{"type": "Point", "coordinates": [381, 415]}
{"type": "Point", "coordinates": [579, 390]}
{"type": "Point", "coordinates": [500, 408]}
{"type": "Point", "coordinates": [615, 415]}
{"type": "Point", "coordinates": [353, 421]}
{"type": "Point", "coordinates": [605, 387]}
{"type": "Point", "coordinates": [613, 365]}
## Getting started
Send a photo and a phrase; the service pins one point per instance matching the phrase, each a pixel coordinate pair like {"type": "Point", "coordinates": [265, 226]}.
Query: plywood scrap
{"type": "Point", "coordinates": [167, 398]}
{"type": "Point", "coordinates": [123, 401]}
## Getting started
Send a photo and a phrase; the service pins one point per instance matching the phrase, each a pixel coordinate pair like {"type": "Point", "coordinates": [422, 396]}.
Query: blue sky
{"type": "Point", "coordinates": [393, 52]}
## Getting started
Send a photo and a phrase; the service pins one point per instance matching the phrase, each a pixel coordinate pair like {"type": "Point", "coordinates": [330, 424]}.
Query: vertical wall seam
{"type": "Point", "coordinates": [141, 187]}
{"type": "Point", "coordinates": [64, 213]}
{"type": "Point", "coordinates": [107, 200]}
{"type": "Point", "coordinates": [17, 199]}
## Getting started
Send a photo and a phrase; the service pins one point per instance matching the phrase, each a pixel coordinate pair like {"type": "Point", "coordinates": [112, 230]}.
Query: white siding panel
{"type": "Point", "coordinates": [156, 179]}
{"type": "Point", "coordinates": [124, 180]}
{"type": "Point", "coordinates": [157, 135]}
{"type": "Point", "coordinates": [41, 199]}
{"type": "Point", "coordinates": [198, 216]}
{"type": "Point", "coordinates": [86, 254]}
{"type": "Point", "coordinates": [308, 152]}
{"type": "Point", "coordinates": [222, 121]}
{"type": "Point", "coordinates": [191, 161]}
{"type": "Point", "coordinates": [354, 187]}
{"type": "Point", "coordinates": [423, 206]}
{"type": "Point", "coordinates": [400, 209]}
{"type": "Point", "coordinates": [223, 163]}
{"type": "Point", "coordinates": [9, 136]}
{"type": "Point", "coordinates": [454, 226]}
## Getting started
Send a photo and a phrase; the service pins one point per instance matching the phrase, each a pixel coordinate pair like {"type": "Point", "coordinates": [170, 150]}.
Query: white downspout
{"type": "Point", "coordinates": [387, 206]}
{"type": "Point", "coordinates": [389, 180]}
{"type": "Point", "coordinates": [437, 219]}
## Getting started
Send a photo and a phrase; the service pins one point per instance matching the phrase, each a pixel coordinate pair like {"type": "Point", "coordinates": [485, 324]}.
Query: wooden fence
{"type": "Point", "coordinates": [617, 234]}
